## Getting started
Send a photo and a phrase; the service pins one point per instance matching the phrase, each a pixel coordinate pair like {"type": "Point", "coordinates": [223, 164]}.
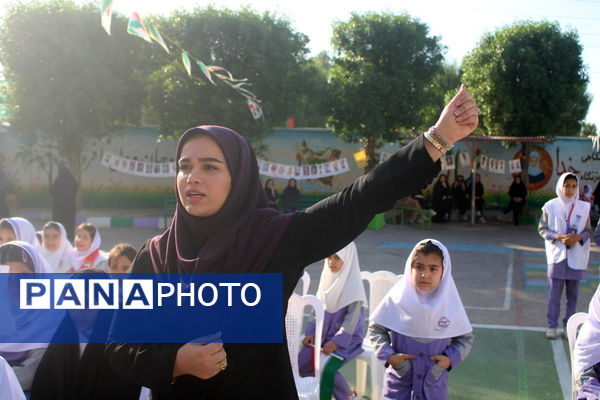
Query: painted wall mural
{"type": "Point", "coordinates": [305, 147]}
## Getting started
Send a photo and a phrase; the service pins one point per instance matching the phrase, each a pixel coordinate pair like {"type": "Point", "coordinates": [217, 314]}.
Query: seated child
{"type": "Point", "coordinates": [120, 258]}
{"type": "Point", "coordinates": [87, 248]}
{"type": "Point", "coordinates": [343, 295]}
{"type": "Point", "coordinates": [587, 353]}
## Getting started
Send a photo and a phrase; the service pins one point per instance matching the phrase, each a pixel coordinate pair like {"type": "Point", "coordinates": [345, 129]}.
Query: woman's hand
{"type": "Point", "coordinates": [399, 358]}
{"type": "Point", "coordinates": [459, 118]}
{"type": "Point", "coordinates": [329, 347]}
{"type": "Point", "coordinates": [442, 361]}
{"type": "Point", "coordinates": [200, 360]}
{"type": "Point", "coordinates": [308, 341]}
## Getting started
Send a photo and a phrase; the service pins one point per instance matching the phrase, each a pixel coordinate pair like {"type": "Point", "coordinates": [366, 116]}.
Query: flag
{"type": "Point", "coordinates": [106, 15]}
{"type": "Point", "coordinates": [156, 36]}
{"type": "Point", "coordinates": [254, 108]}
{"type": "Point", "coordinates": [205, 71]}
{"type": "Point", "coordinates": [185, 57]}
{"type": "Point", "coordinates": [361, 159]}
{"type": "Point", "coordinates": [136, 27]}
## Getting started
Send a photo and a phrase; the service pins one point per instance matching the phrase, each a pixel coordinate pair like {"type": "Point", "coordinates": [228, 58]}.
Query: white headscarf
{"type": "Point", "coordinates": [11, 389]}
{"type": "Point", "coordinates": [340, 289]}
{"type": "Point", "coordinates": [61, 258]}
{"type": "Point", "coordinates": [25, 318]}
{"type": "Point", "coordinates": [24, 231]}
{"type": "Point", "coordinates": [79, 256]}
{"type": "Point", "coordinates": [587, 345]}
{"type": "Point", "coordinates": [436, 314]}
{"type": "Point", "coordinates": [565, 201]}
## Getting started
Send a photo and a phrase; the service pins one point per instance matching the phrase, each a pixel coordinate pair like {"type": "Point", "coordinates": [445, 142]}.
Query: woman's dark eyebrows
{"type": "Point", "coordinates": [202, 159]}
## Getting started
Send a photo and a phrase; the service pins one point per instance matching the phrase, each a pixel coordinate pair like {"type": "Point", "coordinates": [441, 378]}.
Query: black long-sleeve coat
{"type": "Point", "coordinates": [263, 371]}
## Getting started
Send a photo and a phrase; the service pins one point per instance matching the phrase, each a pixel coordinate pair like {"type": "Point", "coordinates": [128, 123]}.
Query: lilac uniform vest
{"type": "Point", "coordinates": [419, 383]}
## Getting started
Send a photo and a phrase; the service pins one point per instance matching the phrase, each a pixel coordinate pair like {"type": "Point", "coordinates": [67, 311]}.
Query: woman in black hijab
{"type": "Point", "coordinates": [291, 196]}
{"type": "Point", "coordinates": [222, 224]}
{"type": "Point", "coordinates": [64, 191]}
{"type": "Point", "coordinates": [518, 196]}
{"type": "Point", "coordinates": [271, 193]}
{"type": "Point", "coordinates": [442, 199]}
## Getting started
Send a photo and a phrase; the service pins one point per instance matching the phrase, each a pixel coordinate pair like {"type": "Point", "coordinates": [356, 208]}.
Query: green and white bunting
{"type": "Point", "coordinates": [137, 28]}
{"type": "Point", "coordinates": [205, 71]}
{"type": "Point", "coordinates": [150, 33]}
{"type": "Point", "coordinates": [156, 36]}
{"type": "Point", "coordinates": [185, 57]}
{"type": "Point", "coordinates": [106, 15]}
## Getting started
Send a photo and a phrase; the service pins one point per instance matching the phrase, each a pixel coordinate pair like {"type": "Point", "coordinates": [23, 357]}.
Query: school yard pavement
{"type": "Point", "coordinates": [500, 272]}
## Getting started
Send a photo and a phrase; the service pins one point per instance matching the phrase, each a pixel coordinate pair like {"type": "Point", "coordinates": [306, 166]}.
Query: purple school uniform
{"type": "Point", "coordinates": [349, 346]}
{"type": "Point", "coordinates": [420, 382]}
{"type": "Point", "coordinates": [560, 276]}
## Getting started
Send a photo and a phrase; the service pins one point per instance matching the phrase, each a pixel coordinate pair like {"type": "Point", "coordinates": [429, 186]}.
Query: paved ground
{"type": "Point", "coordinates": [500, 272]}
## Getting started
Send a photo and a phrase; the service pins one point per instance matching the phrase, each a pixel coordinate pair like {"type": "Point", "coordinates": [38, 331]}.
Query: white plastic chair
{"type": "Point", "coordinates": [305, 283]}
{"type": "Point", "coordinates": [380, 283]}
{"type": "Point", "coordinates": [305, 278]}
{"type": "Point", "coordinates": [308, 387]}
{"type": "Point", "coordinates": [573, 324]}
{"type": "Point", "coordinates": [145, 394]}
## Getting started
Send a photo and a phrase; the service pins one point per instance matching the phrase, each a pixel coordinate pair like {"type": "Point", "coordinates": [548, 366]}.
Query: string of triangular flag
{"type": "Point", "coordinates": [493, 165]}
{"type": "Point", "coordinates": [150, 33]}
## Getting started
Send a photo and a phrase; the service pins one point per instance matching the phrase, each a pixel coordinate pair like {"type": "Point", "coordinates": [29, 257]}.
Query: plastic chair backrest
{"type": "Point", "coordinates": [573, 324]}
{"type": "Point", "coordinates": [380, 283]}
{"type": "Point", "coordinates": [293, 328]}
{"type": "Point", "coordinates": [305, 283]}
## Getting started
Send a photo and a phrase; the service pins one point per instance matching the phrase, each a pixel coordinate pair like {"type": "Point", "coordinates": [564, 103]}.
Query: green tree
{"type": "Point", "coordinates": [588, 129]}
{"type": "Point", "coordinates": [66, 77]}
{"type": "Point", "coordinates": [382, 80]}
{"type": "Point", "coordinates": [261, 47]}
{"type": "Point", "coordinates": [312, 107]}
{"type": "Point", "coordinates": [529, 80]}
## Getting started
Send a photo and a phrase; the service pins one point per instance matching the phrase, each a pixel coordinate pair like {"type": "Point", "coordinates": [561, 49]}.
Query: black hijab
{"type": "Point", "coordinates": [241, 236]}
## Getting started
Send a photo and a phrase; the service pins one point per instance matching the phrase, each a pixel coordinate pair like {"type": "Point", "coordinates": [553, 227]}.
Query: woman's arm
{"type": "Point", "coordinates": [329, 225]}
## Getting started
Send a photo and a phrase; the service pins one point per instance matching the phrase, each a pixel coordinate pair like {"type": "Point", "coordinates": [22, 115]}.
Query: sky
{"type": "Point", "coordinates": [459, 24]}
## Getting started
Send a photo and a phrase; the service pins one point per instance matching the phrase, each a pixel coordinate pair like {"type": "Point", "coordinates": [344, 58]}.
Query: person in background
{"type": "Point", "coordinates": [442, 199]}
{"type": "Point", "coordinates": [25, 356]}
{"type": "Point", "coordinates": [459, 195]}
{"type": "Point", "coordinates": [56, 248]}
{"type": "Point", "coordinates": [64, 191]}
{"type": "Point", "coordinates": [566, 229]}
{"type": "Point", "coordinates": [291, 196]}
{"type": "Point", "coordinates": [9, 385]}
{"type": "Point", "coordinates": [271, 193]}
{"type": "Point", "coordinates": [120, 258]}
{"type": "Point", "coordinates": [518, 198]}
{"type": "Point", "coordinates": [78, 369]}
{"type": "Point", "coordinates": [479, 201]}
{"type": "Point", "coordinates": [87, 248]}
{"type": "Point", "coordinates": [17, 228]}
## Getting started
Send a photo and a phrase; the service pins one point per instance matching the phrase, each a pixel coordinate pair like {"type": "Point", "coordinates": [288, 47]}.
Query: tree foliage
{"type": "Point", "coordinates": [66, 77]}
{"type": "Point", "coordinates": [530, 80]}
{"type": "Point", "coordinates": [382, 78]}
{"type": "Point", "coordinates": [261, 47]}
